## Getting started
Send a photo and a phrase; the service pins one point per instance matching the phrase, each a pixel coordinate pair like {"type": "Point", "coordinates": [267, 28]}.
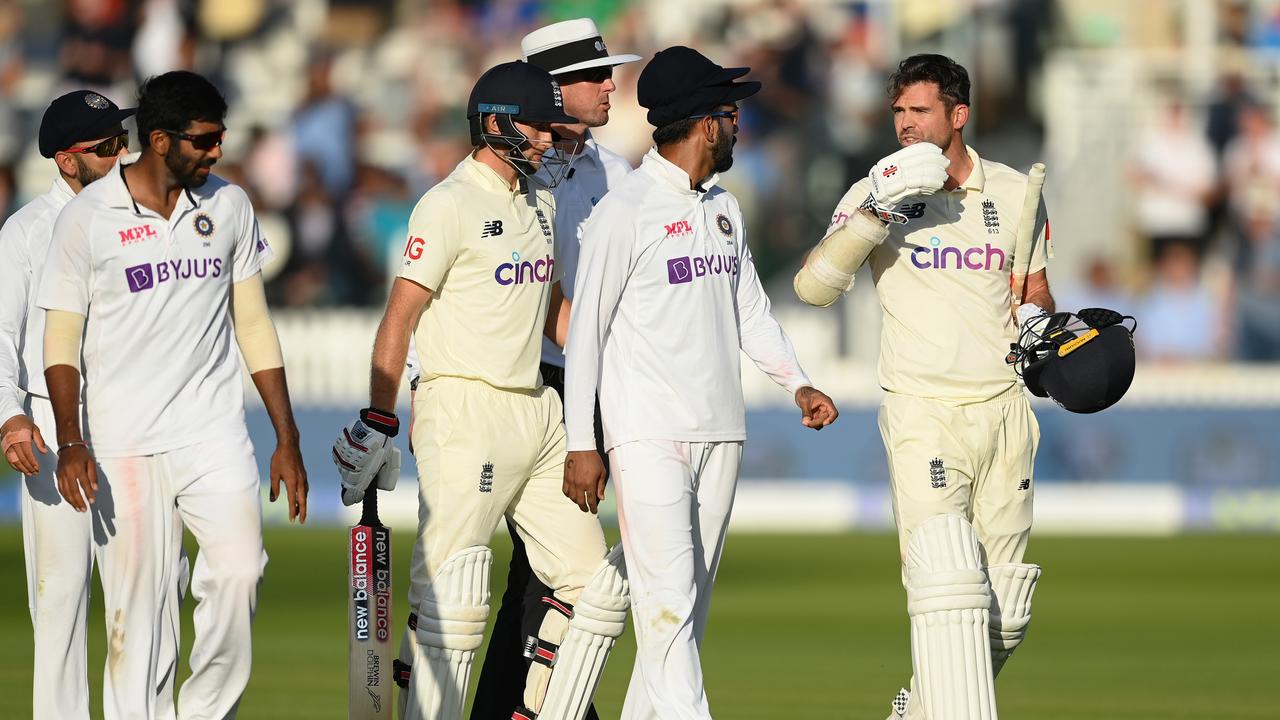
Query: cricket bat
{"type": "Point", "coordinates": [370, 678]}
{"type": "Point", "coordinates": [1026, 233]}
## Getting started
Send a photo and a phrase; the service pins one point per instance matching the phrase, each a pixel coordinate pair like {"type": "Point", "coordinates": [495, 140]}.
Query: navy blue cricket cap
{"type": "Point", "coordinates": [78, 116]}
{"type": "Point", "coordinates": [681, 82]}
{"type": "Point", "coordinates": [524, 91]}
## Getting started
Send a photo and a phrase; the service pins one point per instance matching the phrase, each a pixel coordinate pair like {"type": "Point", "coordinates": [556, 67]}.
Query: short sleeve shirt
{"type": "Point", "coordinates": [161, 366]}
{"type": "Point", "coordinates": [486, 252]}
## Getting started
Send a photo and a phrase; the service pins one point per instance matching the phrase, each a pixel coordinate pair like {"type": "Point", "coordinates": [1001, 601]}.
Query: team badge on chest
{"type": "Point", "coordinates": [990, 217]}
{"type": "Point", "coordinates": [204, 225]}
{"type": "Point", "coordinates": [542, 223]}
{"type": "Point", "coordinates": [723, 225]}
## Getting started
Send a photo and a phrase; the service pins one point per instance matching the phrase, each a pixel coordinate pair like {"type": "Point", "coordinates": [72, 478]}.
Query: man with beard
{"type": "Point", "coordinates": [157, 266]}
{"type": "Point", "coordinates": [937, 225]}
{"type": "Point", "coordinates": [667, 298]}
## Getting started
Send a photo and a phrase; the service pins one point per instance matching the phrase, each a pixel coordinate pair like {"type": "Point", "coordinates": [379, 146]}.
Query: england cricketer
{"type": "Point", "coordinates": [479, 287]}
{"type": "Point", "coordinates": [156, 267]}
{"type": "Point", "coordinates": [668, 299]}
{"type": "Point", "coordinates": [937, 223]}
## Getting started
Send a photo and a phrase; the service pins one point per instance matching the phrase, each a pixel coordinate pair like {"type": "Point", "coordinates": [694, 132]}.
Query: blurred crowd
{"type": "Point", "coordinates": [344, 111]}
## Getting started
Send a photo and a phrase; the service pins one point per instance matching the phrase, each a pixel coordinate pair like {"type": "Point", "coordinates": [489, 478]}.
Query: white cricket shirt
{"type": "Point", "coordinates": [24, 241]}
{"type": "Point", "coordinates": [161, 366]}
{"type": "Point", "coordinates": [943, 281]}
{"type": "Point", "coordinates": [485, 251]}
{"type": "Point", "coordinates": [666, 295]}
{"type": "Point", "coordinates": [595, 170]}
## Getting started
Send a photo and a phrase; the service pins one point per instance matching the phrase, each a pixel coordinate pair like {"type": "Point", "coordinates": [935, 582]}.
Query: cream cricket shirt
{"type": "Point", "coordinates": [24, 242]}
{"type": "Point", "coordinates": [595, 170]}
{"type": "Point", "coordinates": [667, 299]}
{"type": "Point", "coordinates": [943, 282]}
{"type": "Point", "coordinates": [161, 366]}
{"type": "Point", "coordinates": [486, 253]}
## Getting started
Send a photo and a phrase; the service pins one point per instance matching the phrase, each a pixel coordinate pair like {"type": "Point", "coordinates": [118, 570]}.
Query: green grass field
{"type": "Point", "coordinates": [815, 627]}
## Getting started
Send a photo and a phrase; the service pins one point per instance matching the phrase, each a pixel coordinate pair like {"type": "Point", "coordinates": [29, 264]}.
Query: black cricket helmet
{"type": "Point", "coordinates": [517, 91]}
{"type": "Point", "coordinates": [1083, 360]}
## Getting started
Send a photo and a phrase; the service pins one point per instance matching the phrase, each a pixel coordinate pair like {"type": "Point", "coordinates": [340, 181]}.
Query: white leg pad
{"type": "Point", "coordinates": [948, 600]}
{"type": "Point", "coordinates": [1012, 586]}
{"type": "Point", "coordinates": [598, 620]}
{"type": "Point", "coordinates": [451, 623]}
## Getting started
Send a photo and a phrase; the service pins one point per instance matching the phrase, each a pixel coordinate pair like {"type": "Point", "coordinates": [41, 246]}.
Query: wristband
{"type": "Point", "coordinates": [384, 422]}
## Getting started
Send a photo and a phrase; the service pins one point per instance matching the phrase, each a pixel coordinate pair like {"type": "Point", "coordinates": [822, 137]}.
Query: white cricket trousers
{"type": "Point", "coordinates": [674, 500]}
{"type": "Point", "coordinates": [213, 487]}
{"type": "Point", "coordinates": [58, 547]}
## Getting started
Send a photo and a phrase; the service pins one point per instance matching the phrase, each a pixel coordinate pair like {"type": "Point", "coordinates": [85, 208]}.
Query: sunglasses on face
{"type": "Point", "coordinates": [592, 75]}
{"type": "Point", "coordinates": [718, 114]}
{"type": "Point", "coordinates": [203, 141]}
{"type": "Point", "coordinates": [107, 148]}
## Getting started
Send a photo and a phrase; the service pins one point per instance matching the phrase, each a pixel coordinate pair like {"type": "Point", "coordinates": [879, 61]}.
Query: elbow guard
{"type": "Point", "coordinates": [63, 331]}
{"type": "Point", "coordinates": [828, 271]}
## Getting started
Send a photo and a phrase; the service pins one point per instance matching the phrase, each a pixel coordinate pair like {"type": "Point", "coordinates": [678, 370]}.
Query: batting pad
{"type": "Point", "coordinates": [948, 600]}
{"type": "Point", "coordinates": [598, 621]}
{"type": "Point", "coordinates": [451, 623]}
{"type": "Point", "coordinates": [1012, 586]}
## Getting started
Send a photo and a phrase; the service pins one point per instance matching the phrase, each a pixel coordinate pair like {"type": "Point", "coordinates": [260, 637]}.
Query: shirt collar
{"type": "Point", "coordinates": [120, 196]}
{"type": "Point", "coordinates": [977, 179]}
{"type": "Point", "coordinates": [674, 175]}
{"type": "Point", "coordinates": [62, 189]}
{"type": "Point", "coordinates": [485, 176]}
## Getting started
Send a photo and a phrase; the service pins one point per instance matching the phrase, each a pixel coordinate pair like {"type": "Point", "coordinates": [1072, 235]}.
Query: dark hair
{"type": "Point", "coordinates": [174, 100]}
{"type": "Point", "coordinates": [674, 132]}
{"type": "Point", "coordinates": [950, 77]}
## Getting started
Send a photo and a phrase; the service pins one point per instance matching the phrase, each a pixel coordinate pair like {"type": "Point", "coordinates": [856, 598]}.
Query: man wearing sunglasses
{"type": "Point", "coordinates": [157, 267]}
{"type": "Point", "coordinates": [667, 300]}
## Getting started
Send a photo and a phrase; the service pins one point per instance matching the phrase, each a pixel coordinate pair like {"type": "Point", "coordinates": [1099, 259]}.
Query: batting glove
{"type": "Point", "coordinates": [364, 451]}
{"type": "Point", "coordinates": [917, 169]}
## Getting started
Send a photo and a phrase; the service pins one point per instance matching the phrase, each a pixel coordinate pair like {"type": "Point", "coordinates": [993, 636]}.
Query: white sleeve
{"type": "Point", "coordinates": [412, 368]}
{"type": "Point", "coordinates": [760, 335]}
{"type": "Point", "coordinates": [251, 250]}
{"type": "Point", "coordinates": [15, 284]}
{"type": "Point", "coordinates": [603, 268]}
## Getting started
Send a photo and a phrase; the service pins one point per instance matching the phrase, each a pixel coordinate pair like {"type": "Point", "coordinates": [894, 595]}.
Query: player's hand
{"type": "Point", "coordinates": [21, 440]}
{"type": "Point", "coordinates": [818, 410]}
{"type": "Point", "coordinates": [286, 465]}
{"type": "Point", "coordinates": [360, 451]}
{"type": "Point", "coordinates": [584, 479]}
{"type": "Point", "coordinates": [77, 476]}
{"type": "Point", "coordinates": [917, 169]}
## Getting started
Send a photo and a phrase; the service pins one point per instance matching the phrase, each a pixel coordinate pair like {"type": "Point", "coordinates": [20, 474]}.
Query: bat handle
{"type": "Point", "coordinates": [369, 509]}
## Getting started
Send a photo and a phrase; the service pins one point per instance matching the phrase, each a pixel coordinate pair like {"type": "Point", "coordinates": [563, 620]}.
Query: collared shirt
{"type": "Point", "coordinates": [161, 366]}
{"type": "Point", "coordinates": [595, 170]}
{"type": "Point", "coordinates": [24, 243]}
{"type": "Point", "coordinates": [943, 281]}
{"type": "Point", "coordinates": [666, 295]}
{"type": "Point", "coordinates": [485, 251]}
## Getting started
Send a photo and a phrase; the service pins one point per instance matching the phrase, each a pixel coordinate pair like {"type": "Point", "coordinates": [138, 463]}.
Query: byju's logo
{"type": "Point", "coordinates": [519, 272]}
{"type": "Point", "coordinates": [937, 257]}
{"type": "Point", "coordinates": [681, 270]}
{"type": "Point", "coordinates": [140, 278]}
{"type": "Point", "coordinates": [145, 277]}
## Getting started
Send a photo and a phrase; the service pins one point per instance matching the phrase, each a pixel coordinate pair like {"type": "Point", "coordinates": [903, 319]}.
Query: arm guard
{"type": "Point", "coordinates": [828, 271]}
{"type": "Point", "coordinates": [63, 330]}
{"type": "Point", "coordinates": [255, 333]}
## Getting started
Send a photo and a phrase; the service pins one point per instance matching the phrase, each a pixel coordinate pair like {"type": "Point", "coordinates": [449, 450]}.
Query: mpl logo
{"type": "Point", "coordinates": [519, 272]}
{"type": "Point", "coordinates": [145, 277]}
{"type": "Point", "coordinates": [937, 257]}
{"type": "Point", "coordinates": [679, 228]}
{"type": "Point", "coordinates": [682, 270]}
{"type": "Point", "coordinates": [136, 234]}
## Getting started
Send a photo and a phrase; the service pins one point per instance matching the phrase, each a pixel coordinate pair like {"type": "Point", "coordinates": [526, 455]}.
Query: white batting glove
{"type": "Point", "coordinates": [365, 451]}
{"type": "Point", "coordinates": [917, 169]}
{"type": "Point", "coordinates": [1027, 312]}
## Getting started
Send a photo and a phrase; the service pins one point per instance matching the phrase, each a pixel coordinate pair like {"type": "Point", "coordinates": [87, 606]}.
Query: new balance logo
{"type": "Point", "coordinates": [1024, 484]}
{"type": "Point", "coordinates": [937, 474]}
{"type": "Point", "coordinates": [491, 228]}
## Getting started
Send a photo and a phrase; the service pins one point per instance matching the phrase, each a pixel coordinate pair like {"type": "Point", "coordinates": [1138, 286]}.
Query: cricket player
{"type": "Point", "coordinates": [576, 56]}
{"type": "Point", "coordinates": [479, 287]}
{"type": "Point", "coordinates": [156, 266]}
{"type": "Point", "coordinates": [667, 298]}
{"type": "Point", "coordinates": [81, 132]}
{"type": "Point", "coordinates": [937, 223]}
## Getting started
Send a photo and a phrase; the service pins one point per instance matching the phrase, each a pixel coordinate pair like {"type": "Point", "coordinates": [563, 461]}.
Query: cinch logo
{"type": "Point", "coordinates": [145, 277]}
{"type": "Point", "coordinates": [413, 248]}
{"type": "Point", "coordinates": [136, 234]}
{"type": "Point", "coordinates": [519, 272]}
{"type": "Point", "coordinates": [678, 228]}
{"type": "Point", "coordinates": [950, 257]}
{"type": "Point", "coordinates": [684, 269]}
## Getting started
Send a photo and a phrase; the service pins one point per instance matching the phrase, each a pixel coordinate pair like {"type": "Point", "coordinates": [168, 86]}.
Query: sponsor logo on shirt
{"type": "Point", "coordinates": [936, 256]}
{"type": "Point", "coordinates": [519, 272]}
{"type": "Point", "coordinates": [682, 270]}
{"type": "Point", "coordinates": [413, 248]}
{"type": "Point", "coordinates": [679, 228]}
{"type": "Point", "coordinates": [147, 276]}
{"type": "Point", "coordinates": [136, 234]}
{"type": "Point", "coordinates": [491, 228]}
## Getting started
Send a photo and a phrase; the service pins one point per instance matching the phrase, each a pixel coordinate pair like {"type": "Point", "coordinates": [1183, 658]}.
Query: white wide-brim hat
{"type": "Point", "coordinates": [569, 46]}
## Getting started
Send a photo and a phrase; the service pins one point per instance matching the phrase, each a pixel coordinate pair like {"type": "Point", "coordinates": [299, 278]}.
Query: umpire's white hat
{"type": "Point", "coordinates": [569, 46]}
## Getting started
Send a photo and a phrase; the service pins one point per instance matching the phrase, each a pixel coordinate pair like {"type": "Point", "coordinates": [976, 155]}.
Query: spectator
{"type": "Point", "coordinates": [1179, 316]}
{"type": "Point", "coordinates": [324, 130]}
{"type": "Point", "coordinates": [1174, 173]}
{"type": "Point", "coordinates": [1253, 171]}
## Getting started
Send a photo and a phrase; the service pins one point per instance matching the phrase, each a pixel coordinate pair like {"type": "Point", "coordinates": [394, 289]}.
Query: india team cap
{"type": "Point", "coordinates": [680, 82]}
{"type": "Point", "coordinates": [569, 46]}
{"type": "Point", "coordinates": [79, 116]}
{"type": "Point", "coordinates": [526, 92]}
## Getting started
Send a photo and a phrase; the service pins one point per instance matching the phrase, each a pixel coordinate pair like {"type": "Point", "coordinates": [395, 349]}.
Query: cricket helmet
{"type": "Point", "coordinates": [1084, 360]}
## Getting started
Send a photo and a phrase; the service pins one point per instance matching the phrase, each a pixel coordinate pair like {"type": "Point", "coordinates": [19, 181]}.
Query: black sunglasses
{"type": "Point", "coordinates": [107, 148]}
{"type": "Point", "coordinates": [203, 141]}
{"type": "Point", "coordinates": [717, 114]}
{"type": "Point", "coordinates": [591, 75]}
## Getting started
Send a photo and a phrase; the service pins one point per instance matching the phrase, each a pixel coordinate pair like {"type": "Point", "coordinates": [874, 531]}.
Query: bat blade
{"type": "Point", "coordinates": [369, 680]}
{"type": "Point", "coordinates": [1026, 232]}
